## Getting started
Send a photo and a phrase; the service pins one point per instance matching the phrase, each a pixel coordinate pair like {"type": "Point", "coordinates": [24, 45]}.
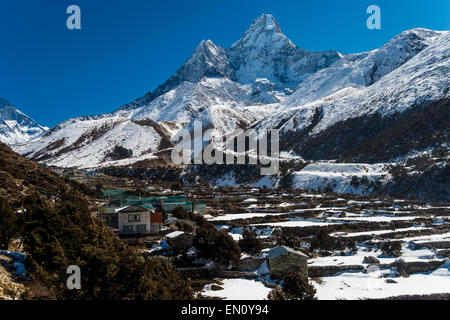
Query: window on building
{"type": "Point", "coordinates": [142, 228]}
{"type": "Point", "coordinates": [127, 229]}
{"type": "Point", "coordinates": [134, 218]}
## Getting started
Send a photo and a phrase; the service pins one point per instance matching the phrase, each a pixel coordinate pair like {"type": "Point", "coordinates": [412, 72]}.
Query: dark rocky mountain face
{"type": "Point", "coordinates": [263, 52]}
{"type": "Point", "coordinates": [374, 138]}
{"type": "Point", "coordinates": [373, 107]}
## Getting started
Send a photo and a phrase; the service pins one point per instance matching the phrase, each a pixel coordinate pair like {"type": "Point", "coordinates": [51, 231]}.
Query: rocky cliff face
{"type": "Point", "coordinates": [265, 52]}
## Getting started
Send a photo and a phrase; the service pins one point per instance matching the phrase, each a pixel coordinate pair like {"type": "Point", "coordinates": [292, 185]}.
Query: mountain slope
{"type": "Point", "coordinates": [90, 142]}
{"type": "Point", "coordinates": [421, 80]}
{"type": "Point", "coordinates": [207, 60]}
{"type": "Point", "coordinates": [363, 69]}
{"type": "Point", "coordinates": [20, 177]}
{"type": "Point", "coordinates": [263, 52]}
{"type": "Point", "coordinates": [251, 85]}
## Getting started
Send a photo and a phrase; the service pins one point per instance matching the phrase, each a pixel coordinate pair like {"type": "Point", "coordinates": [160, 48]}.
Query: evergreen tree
{"type": "Point", "coordinates": [9, 227]}
{"type": "Point", "coordinates": [56, 237]}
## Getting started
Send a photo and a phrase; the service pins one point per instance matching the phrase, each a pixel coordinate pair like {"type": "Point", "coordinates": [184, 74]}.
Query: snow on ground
{"type": "Point", "coordinates": [376, 218]}
{"type": "Point", "coordinates": [407, 254]}
{"type": "Point", "coordinates": [236, 236]}
{"type": "Point", "coordinates": [158, 247]}
{"type": "Point", "coordinates": [377, 232]}
{"type": "Point", "coordinates": [231, 216]}
{"type": "Point", "coordinates": [239, 289]}
{"type": "Point", "coordinates": [429, 238]}
{"type": "Point", "coordinates": [174, 234]}
{"type": "Point", "coordinates": [319, 176]}
{"type": "Point", "coordinates": [372, 285]}
{"type": "Point", "coordinates": [296, 223]}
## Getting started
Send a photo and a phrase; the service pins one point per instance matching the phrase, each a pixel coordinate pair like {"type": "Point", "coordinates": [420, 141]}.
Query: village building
{"type": "Point", "coordinates": [283, 260]}
{"type": "Point", "coordinates": [57, 170]}
{"type": "Point", "coordinates": [109, 216]}
{"type": "Point", "coordinates": [180, 240]}
{"type": "Point", "coordinates": [117, 197]}
{"type": "Point", "coordinates": [156, 221]}
{"type": "Point", "coordinates": [196, 207]}
{"type": "Point", "coordinates": [168, 203]}
{"type": "Point", "coordinates": [137, 220]}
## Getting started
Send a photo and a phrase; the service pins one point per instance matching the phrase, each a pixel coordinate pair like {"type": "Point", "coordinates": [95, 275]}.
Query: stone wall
{"type": "Point", "coordinates": [288, 263]}
{"type": "Point", "coordinates": [211, 273]}
{"type": "Point", "coordinates": [250, 264]}
{"type": "Point", "coordinates": [402, 267]}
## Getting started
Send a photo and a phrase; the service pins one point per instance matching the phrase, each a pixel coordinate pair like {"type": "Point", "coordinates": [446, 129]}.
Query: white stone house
{"type": "Point", "coordinates": [134, 220]}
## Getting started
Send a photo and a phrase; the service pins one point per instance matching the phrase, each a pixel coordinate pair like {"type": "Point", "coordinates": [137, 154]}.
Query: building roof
{"type": "Point", "coordinates": [111, 210]}
{"type": "Point", "coordinates": [114, 192]}
{"type": "Point", "coordinates": [165, 198]}
{"type": "Point", "coordinates": [132, 209]}
{"type": "Point", "coordinates": [278, 251]}
{"type": "Point", "coordinates": [195, 203]}
{"type": "Point", "coordinates": [174, 234]}
{"type": "Point", "coordinates": [147, 206]}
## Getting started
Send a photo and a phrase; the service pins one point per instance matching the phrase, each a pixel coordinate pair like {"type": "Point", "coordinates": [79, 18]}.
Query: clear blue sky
{"type": "Point", "coordinates": [127, 48]}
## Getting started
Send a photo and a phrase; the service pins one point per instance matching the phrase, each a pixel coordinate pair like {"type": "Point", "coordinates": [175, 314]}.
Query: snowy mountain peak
{"type": "Point", "coordinates": [413, 40]}
{"type": "Point", "coordinates": [206, 45]}
{"type": "Point", "coordinates": [264, 24]}
{"type": "Point", "coordinates": [15, 126]}
{"type": "Point", "coordinates": [207, 56]}
{"type": "Point", "coordinates": [265, 52]}
{"type": "Point", "coordinates": [264, 31]}
{"type": "Point", "coordinates": [263, 81]}
{"type": "Point", "coordinates": [207, 60]}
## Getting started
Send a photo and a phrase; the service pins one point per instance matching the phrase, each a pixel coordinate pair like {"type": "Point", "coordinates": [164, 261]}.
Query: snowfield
{"type": "Point", "coordinates": [338, 177]}
{"type": "Point", "coordinates": [407, 254]}
{"type": "Point", "coordinates": [378, 232]}
{"type": "Point", "coordinates": [374, 285]}
{"type": "Point", "coordinates": [296, 222]}
{"type": "Point", "coordinates": [239, 289]}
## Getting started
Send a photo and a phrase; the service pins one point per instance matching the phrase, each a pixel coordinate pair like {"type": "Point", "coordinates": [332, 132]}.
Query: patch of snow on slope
{"type": "Point", "coordinates": [338, 177]}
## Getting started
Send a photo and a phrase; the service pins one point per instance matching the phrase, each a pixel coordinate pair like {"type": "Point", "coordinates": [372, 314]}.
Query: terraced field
{"type": "Point", "coordinates": [385, 247]}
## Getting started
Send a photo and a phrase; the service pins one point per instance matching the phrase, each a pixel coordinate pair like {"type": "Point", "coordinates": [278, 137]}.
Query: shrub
{"type": "Point", "coordinates": [297, 287]}
{"type": "Point", "coordinates": [391, 248]}
{"type": "Point", "coordinates": [216, 245]}
{"type": "Point", "coordinates": [323, 241]}
{"type": "Point", "coordinates": [354, 182]}
{"type": "Point", "coordinates": [250, 242]}
{"type": "Point", "coordinates": [56, 237]}
{"type": "Point", "coordinates": [184, 226]}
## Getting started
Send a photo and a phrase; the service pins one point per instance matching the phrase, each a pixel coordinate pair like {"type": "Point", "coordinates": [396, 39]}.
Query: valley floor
{"type": "Point", "coordinates": [421, 267]}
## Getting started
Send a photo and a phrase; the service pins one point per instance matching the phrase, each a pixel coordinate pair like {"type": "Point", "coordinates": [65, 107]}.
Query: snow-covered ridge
{"type": "Point", "coordinates": [252, 85]}
{"type": "Point", "coordinates": [92, 142]}
{"type": "Point", "coordinates": [341, 92]}
{"type": "Point", "coordinates": [15, 126]}
{"type": "Point", "coordinates": [265, 52]}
